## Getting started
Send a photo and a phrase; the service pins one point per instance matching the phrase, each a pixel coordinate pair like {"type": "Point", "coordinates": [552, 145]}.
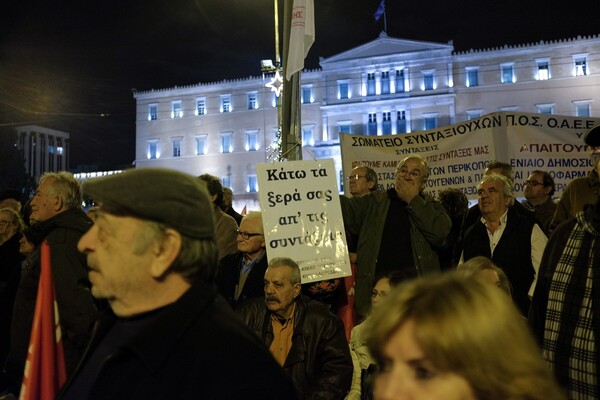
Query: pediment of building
{"type": "Point", "coordinates": [385, 46]}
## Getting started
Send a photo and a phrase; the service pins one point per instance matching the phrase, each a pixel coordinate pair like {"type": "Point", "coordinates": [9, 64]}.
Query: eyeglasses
{"type": "Point", "coordinates": [246, 235]}
{"type": "Point", "coordinates": [415, 173]}
{"type": "Point", "coordinates": [533, 183]}
{"type": "Point", "coordinates": [3, 222]}
{"type": "Point", "coordinates": [355, 177]}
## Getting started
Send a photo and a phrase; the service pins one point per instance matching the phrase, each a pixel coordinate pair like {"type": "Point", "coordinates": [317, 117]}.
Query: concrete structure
{"type": "Point", "coordinates": [388, 86]}
{"type": "Point", "coordinates": [44, 149]}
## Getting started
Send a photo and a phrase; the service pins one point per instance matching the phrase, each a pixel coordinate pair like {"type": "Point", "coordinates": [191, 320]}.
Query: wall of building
{"type": "Point", "coordinates": [450, 99]}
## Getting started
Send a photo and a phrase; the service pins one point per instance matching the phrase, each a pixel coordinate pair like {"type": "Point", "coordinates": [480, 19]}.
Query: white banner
{"type": "Point", "coordinates": [302, 218]}
{"type": "Point", "coordinates": [458, 154]}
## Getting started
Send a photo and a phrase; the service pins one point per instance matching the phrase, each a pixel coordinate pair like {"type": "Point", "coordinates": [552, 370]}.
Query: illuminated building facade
{"type": "Point", "coordinates": [388, 86]}
{"type": "Point", "coordinates": [44, 149]}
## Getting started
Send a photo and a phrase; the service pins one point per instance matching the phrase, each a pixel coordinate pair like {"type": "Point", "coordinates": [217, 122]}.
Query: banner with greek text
{"type": "Point", "coordinates": [458, 154]}
{"type": "Point", "coordinates": [302, 218]}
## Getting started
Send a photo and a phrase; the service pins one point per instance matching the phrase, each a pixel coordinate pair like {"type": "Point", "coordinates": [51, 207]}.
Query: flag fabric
{"type": "Point", "coordinates": [45, 371]}
{"type": "Point", "coordinates": [302, 35]}
{"type": "Point", "coordinates": [380, 10]}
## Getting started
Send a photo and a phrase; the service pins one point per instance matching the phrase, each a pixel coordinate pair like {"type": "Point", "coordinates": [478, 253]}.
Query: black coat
{"type": "Point", "coordinates": [76, 306]}
{"type": "Point", "coordinates": [319, 361]}
{"type": "Point", "coordinates": [228, 277]}
{"type": "Point", "coordinates": [512, 253]}
{"type": "Point", "coordinates": [196, 349]}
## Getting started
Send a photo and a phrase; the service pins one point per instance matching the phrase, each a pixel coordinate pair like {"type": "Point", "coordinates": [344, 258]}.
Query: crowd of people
{"type": "Point", "coordinates": [170, 293]}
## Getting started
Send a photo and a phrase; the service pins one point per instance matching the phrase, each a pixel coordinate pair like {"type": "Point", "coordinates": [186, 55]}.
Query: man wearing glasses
{"type": "Point", "coordinates": [240, 274]}
{"type": "Point", "coordinates": [362, 180]}
{"type": "Point", "coordinates": [539, 188]}
{"type": "Point", "coordinates": [399, 229]}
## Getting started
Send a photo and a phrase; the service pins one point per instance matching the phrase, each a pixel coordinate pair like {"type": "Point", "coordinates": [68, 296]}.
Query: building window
{"type": "Point", "coordinates": [507, 74]}
{"type": "Point", "coordinates": [472, 114]}
{"type": "Point", "coordinates": [252, 140]}
{"type": "Point", "coordinates": [386, 125]}
{"type": "Point", "coordinates": [153, 149]}
{"type": "Point", "coordinates": [472, 76]}
{"type": "Point", "coordinates": [372, 124]}
{"type": "Point", "coordinates": [583, 108]}
{"type": "Point", "coordinates": [428, 83]}
{"type": "Point", "coordinates": [153, 112]}
{"type": "Point", "coordinates": [201, 145]}
{"type": "Point", "coordinates": [226, 103]}
{"type": "Point", "coordinates": [201, 106]}
{"type": "Point", "coordinates": [252, 101]}
{"type": "Point", "coordinates": [385, 82]}
{"type": "Point", "coordinates": [371, 84]}
{"type": "Point", "coordinates": [543, 69]}
{"type": "Point", "coordinates": [581, 67]}
{"type": "Point", "coordinates": [343, 127]}
{"type": "Point", "coordinates": [430, 121]}
{"type": "Point", "coordinates": [308, 138]}
{"type": "Point", "coordinates": [343, 90]}
{"type": "Point", "coordinates": [176, 111]}
{"type": "Point", "coordinates": [252, 184]}
{"type": "Point", "coordinates": [226, 146]}
{"type": "Point", "coordinates": [401, 121]}
{"type": "Point", "coordinates": [226, 181]}
{"type": "Point", "coordinates": [399, 81]}
{"type": "Point", "coordinates": [176, 147]}
{"type": "Point", "coordinates": [545, 108]}
{"type": "Point", "coordinates": [306, 94]}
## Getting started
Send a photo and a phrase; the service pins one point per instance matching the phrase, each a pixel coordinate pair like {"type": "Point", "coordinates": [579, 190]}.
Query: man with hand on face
{"type": "Point", "coordinates": [398, 228]}
{"type": "Point", "coordinates": [303, 336]}
{"type": "Point", "coordinates": [152, 255]}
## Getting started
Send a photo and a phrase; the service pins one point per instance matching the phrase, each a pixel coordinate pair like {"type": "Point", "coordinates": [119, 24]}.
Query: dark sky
{"type": "Point", "coordinates": [65, 63]}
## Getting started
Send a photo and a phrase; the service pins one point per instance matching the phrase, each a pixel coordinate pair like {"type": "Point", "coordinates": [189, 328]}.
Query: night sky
{"type": "Point", "coordinates": [65, 64]}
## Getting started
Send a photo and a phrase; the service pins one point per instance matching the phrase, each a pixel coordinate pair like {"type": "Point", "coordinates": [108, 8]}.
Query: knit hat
{"type": "Point", "coordinates": [592, 137]}
{"type": "Point", "coordinates": [170, 197]}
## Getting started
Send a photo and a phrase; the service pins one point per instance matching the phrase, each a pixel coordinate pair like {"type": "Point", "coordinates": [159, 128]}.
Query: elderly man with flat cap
{"type": "Point", "coordinates": [581, 191]}
{"type": "Point", "coordinates": [152, 255]}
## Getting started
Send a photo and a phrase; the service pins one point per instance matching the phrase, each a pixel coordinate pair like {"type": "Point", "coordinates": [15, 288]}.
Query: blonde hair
{"type": "Point", "coordinates": [467, 329]}
{"type": "Point", "coordinates": [481, 263]}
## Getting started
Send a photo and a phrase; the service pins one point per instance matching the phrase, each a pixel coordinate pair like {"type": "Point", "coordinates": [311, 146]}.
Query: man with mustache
{"type": "Point", "coordinates": [303, 336]}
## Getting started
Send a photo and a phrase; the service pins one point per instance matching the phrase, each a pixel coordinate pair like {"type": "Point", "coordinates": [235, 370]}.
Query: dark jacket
{"type": "Point", "coordinates": [76, 306]}
{"type": "Point", "coordinates": [366, 216]}
{"type": "Point", "coordinates": [197, 349]}
{"type": "Point", "coordinates": [10, 275]}
{"type": "Point", "coordinates": [319, 361]}
{"type": "Point", "coordinates": [512, 253]}
{"type": "Point", "coordinates": [228, 276]}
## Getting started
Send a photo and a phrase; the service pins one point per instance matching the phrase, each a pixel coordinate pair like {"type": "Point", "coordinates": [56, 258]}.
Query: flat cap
{"type": "Point", "coordinates": [592, 137]}
{"type": "Point", "coordinates": [178, 200]}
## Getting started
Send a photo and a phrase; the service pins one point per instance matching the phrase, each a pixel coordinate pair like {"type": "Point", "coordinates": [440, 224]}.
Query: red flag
{"type": "Point", "coordinates": [244, 211]}
{"type": "Point", "coordinates": [45, 371]}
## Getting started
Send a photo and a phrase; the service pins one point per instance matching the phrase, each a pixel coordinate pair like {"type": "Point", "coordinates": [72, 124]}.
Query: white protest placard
{"type": "Point", "coordinates": [458, 154]}
{"type": "Point", "coordinates": [302, 218]}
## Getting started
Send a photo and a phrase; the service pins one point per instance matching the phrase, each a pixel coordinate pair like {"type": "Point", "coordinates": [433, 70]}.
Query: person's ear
{"type": "Point", "coordinates": [297, 289]}
{"type": "Point", "coordinates": [165, 252]}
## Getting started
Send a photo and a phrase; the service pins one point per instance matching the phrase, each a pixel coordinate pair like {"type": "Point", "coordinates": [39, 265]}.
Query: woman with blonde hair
{"type": "Point", "coordinates": [450, 337]}
{"type": "Point", "coordinates": [483, 268]}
